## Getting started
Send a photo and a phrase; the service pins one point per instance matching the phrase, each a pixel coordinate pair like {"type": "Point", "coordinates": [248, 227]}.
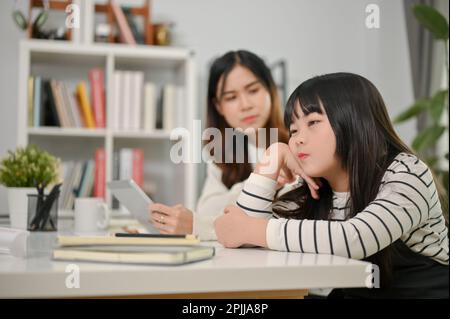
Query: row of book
{"type": "Point", "coordinates": [136, 106]}
{"type": "Point", "coordinates": [78, 181]}
{"type": "Point", "coordinates": [53, 103]}
{"type": "Point", "coordinates": [88, 178]}
{"type": "Point", "coordinates": [139, 105]}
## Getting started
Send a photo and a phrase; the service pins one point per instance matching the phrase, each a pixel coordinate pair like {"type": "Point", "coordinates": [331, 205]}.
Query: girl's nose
{"type": "Point", "coordinates": [245, 103]}
{"type": "Point", "coordinates": [299, 140]}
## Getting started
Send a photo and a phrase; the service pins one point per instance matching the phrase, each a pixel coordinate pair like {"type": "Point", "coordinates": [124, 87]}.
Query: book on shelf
{"type": "Point", "coordinates": [57, 106]}
{"type": "Point", "coordinates": [79, 180]}
{"type": "Point", "coordinates": [85, 105]}
{"type": "Point", "coordinates": [169, 98]}
{"type": "Point", "coordinates": [96, 79]}
{"type": "Point", "coordinates": [159, 109]}
{"type": "Point", "coordinates": [52, 103]}
{"type": "Point", "coordinates": [140, 105]}
{"type": "Point", "coordinates": [126, 34]}
{"type": "Point", "coordinates": [30, 101]}
{"type": "Point", "coordinates": [131, 165]}
{"type": "Point", "coordinates": [127, 104]}
{"type": "Point", "coordinates": [137, 82]}
{"type": "Point", "coordinates": [138, 35]}
{"type": "Point", "coordinates": [125, 99]}
{"type": "Point", "coordinates": [100, 173]}
{"type": "Point", "coordinates": [149, 106]}
{"type": "Point", "coordinates": [37, 101]}
{"type": "Point", "coordinates": [138, 167]}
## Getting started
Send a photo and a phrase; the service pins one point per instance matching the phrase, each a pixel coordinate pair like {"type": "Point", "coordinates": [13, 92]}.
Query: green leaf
{"type": "Point", "coordinates": [417, 108]}
{"type": "Point", "coordinates": [428, 137]}
{"type": "Point", "coordinates": [437, 105]}
{"type": "Point", "coordinates": [431, 19]}
{"type": "Point", "coordinates": [432, 161]}
{"type": "Point", "coordinates": [26, 167]}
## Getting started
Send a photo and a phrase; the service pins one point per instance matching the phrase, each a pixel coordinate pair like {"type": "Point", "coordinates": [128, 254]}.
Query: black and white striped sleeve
{"type": "Point", "coordinates": [402, 203]}
{"type": "Point", "coordinates": [257, 196]}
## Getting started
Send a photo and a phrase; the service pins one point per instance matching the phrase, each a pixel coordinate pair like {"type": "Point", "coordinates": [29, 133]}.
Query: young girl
{"type": "Point", "coordinates": [241, 94]}
{"type": "Point", "coordinates": [366, 196]}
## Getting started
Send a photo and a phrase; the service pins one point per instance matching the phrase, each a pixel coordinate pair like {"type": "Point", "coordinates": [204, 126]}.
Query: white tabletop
{"type": "Point", "coordinates": [245, 269]}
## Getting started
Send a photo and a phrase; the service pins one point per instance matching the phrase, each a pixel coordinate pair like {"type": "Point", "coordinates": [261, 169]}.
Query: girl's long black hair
{"type": "Point", "coordinates": [366, 144]}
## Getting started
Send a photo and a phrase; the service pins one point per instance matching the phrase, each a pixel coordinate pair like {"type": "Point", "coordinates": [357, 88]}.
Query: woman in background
{"type": "Point", "coordinates": [241, 95]}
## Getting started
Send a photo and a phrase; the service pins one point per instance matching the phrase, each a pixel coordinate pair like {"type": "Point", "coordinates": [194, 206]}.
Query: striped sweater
{"type": "Point", "coordinates": [406, 207]}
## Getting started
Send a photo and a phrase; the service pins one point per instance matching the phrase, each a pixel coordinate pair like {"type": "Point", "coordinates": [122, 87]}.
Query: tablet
{"type": "Point", "coordinates": [135, 200]}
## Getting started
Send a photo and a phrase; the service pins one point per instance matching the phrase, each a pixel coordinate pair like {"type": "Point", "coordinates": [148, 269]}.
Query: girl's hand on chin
{"type": "Point", "coordinates": [280, 164]}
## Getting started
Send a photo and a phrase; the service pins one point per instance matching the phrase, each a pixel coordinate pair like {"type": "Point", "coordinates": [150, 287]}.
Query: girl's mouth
{"type": "Point", "coordinates": [302, 156]}
{"type": "Point", "coordinates": [250, 119]}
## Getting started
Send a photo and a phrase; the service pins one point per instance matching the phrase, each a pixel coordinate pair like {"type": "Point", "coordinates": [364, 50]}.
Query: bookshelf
{"type": "Point", "coordinates": [70, 62]}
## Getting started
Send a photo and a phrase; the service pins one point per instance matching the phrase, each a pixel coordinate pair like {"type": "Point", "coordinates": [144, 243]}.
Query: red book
{"type": "Point", "coordinates": [100, 173]}
{"type": "Point", "coordinates": [98, 96]}
{"type": "Point", "coordinates": [138, 167]}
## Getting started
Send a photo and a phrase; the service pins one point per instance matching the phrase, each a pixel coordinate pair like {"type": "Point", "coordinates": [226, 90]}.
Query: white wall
{"type": "Point", "coordinates": [313, 36]}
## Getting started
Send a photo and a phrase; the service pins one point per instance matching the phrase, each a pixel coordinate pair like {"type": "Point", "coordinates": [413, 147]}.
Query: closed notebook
{"type": "Point", "coordinates": [157, 255]}
{"type": "Point", "coordinates": [188, 240]}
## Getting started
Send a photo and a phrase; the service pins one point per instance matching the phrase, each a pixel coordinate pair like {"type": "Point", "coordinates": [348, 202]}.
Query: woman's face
{"type": "Point", "coordinates": [313, 142]}
{"type": "Point", "coordinates": [244, 103]}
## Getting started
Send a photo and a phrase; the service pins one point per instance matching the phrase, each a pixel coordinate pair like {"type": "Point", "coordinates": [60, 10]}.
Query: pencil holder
{"type": "Point", "coordinates": [42, 212]}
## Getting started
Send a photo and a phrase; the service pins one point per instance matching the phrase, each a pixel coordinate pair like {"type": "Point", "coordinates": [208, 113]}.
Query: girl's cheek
{"type": "Point", "coordinates": [291, 145]}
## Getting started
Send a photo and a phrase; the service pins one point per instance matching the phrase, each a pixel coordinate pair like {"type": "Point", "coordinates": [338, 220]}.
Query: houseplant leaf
{"type": "Point", "coordinates": [418, 107]}
{"type": "Point", "coordinates": [431, 19]}
{"type": "Point", "coordinates": [427, 137]}
{"type": "Point", "coordinates": [437, 105]}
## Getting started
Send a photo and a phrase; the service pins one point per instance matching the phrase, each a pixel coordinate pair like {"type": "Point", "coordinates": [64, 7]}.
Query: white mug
{"type": "Point", "coordinates": [91, 216]}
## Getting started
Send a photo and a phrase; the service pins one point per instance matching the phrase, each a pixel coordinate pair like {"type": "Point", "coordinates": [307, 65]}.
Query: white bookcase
{"type": "Point", "coordinates": [70, 62]}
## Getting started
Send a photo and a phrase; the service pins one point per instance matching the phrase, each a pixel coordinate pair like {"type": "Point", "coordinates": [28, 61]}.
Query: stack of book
{"type": "Point", "coordinates": [151, 249]}
{"type": "Point", "coordinates": [53, 103]}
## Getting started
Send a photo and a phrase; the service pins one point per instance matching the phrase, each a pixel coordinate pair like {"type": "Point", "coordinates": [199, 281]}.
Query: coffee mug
{"type": "Point", "coordinates": [91, 216]}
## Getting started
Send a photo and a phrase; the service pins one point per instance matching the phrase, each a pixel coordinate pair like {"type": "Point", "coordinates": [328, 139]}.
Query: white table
{"type": "Point", "coordinates": [236, 273]}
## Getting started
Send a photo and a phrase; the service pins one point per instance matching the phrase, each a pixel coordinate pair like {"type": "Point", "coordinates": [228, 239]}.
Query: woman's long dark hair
{"type": "Point", "coordinates": [366, 144]}
{"type": "Point", "coordinates": [235, 172]}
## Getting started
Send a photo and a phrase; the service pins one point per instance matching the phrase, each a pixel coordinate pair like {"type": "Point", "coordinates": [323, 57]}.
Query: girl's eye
{"type": "Point", "coordinates": [253, 91]}
{"type": "Point", "coordinates": [310, 123]}
{"type": "Point", "coordinates": [292, 132]}
{"type": "Point", "coordinates": [230, 98]}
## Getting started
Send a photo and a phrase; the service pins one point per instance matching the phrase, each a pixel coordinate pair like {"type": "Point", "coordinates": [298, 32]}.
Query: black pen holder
{"type": "Point", "coordinates": [42, 214]}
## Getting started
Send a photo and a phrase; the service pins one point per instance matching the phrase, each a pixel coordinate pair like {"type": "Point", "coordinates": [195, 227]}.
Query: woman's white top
{"type": "Point", "coordinates": [216, 196]}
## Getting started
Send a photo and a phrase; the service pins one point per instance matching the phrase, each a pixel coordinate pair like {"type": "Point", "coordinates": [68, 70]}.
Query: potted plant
{"type": "Point", "coordinates": [25, 171]}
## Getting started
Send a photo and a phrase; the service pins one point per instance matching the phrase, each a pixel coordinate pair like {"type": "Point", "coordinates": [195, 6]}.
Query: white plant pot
{"type": "Point", "coordinates": [18, 206]}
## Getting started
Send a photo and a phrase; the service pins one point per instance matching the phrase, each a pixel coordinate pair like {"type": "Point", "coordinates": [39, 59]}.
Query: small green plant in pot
{"type": "Point", "coordinates": [27, 170]}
